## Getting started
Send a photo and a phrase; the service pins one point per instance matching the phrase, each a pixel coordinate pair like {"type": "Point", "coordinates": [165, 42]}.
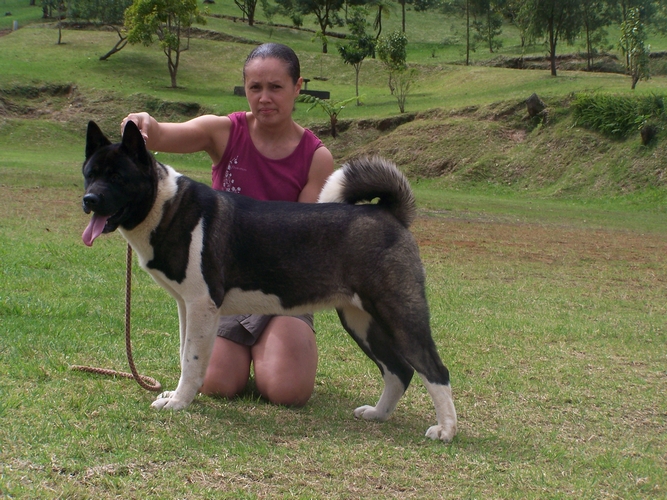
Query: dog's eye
{"type": "Point", "coordinates": [116, 177]}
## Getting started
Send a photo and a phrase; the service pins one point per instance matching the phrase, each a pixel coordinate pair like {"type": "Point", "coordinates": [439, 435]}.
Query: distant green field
{"type": "Point", "coordinates": [210, 69]}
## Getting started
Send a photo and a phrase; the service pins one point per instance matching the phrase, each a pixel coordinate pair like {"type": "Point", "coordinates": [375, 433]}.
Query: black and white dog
{"type": "Point", "coordinates": [221, 253]}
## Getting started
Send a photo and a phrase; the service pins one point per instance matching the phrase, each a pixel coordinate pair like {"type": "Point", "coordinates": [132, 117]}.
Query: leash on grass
{"type": "Point", "coordinates": [148, 383]}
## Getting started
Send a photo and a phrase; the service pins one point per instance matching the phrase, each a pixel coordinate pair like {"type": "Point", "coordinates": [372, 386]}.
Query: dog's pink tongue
{"type": "Point", "coordinates": [94, 229]}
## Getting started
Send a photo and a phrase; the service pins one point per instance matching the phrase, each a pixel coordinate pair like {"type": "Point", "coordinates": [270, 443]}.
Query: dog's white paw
{"type": "Point", "coordinates": [443, 432]}
{"type": "Point", "coordinates": [167, 400]}
{"type": "Point", "coordinates": [370, 413]}
{"type": "Point", "coordinates": [166, 395]}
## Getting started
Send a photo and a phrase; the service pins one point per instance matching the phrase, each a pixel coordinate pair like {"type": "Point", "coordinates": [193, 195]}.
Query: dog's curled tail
{"type": "Point", "coordinates": [365, 179]}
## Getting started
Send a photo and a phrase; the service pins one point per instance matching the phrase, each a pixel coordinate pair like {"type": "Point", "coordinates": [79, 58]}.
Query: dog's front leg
{"type": "Point", "coordinates": [182, 325]}
{"type": "Point", "coordinates": [197, 345]}
{"type": "Point", "coordinates": [180, 302]}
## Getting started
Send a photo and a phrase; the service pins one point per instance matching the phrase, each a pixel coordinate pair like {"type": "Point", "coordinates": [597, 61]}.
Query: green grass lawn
{"type": "Point", "coordinates": [550, 315]}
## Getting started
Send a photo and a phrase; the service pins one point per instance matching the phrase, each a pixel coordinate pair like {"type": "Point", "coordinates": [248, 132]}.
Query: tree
{"type": "Point", "coordinates": [109, 12]}
{"type": "Point", "coordinates": [331, 108]}
{"type": "Point", "coordinates": [464, 7]}
{"type": "Point", "coordinates": [519, 15]}
{"type": "Point", "coordinates": [661, 18]}
{"type": "Point", "coordinates": [269, 10]}
{"type": "Point", "coordinates": [556, 20]}
{"type": "Point", "coordinates": [60, 6]}
{"type": "Point", "coordinates": [169, 20]}
{"type": "Point", "coordinates": [360, 45]}
{"type": "Point", "coordinates": [622, 8]}
{"type": "Point", "coordinates": [325, 11]}
{"type": "Point", "coordinates": [248, 8]}
{"type": "Point", "coordinates": [633, 36]}
{"type": "Point", "coordinates": [403, 81]}
{"type": "Point", "coordinates": [594, 18]}
{"type": "Point", "coordinates": [391, 49]}
{"type": "Point", "coordinates": [647, 8]}
{"type": "Point", "coordinates": [418, 6]}
{"type": "Point", "coordinates": [392, 52]}
{"type": "Point", "coordinates": [488, 23]}
{"type": "Point", "coordinates": [383, 7]}
{"type": "Point", "coordinates": [402, 4]}
{"type": "Point", "coordinates": [468, 9]}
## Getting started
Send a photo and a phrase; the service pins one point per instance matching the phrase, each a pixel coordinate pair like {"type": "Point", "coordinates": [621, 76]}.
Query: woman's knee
{"type": "Point", "coordinates": [228, 370]}
{"type": "Point", "coordinates": [223, 386]}
{"type": "Point", "coordinates": [286, 392]}
{"type": "Point", "coordinates": [285, 362]}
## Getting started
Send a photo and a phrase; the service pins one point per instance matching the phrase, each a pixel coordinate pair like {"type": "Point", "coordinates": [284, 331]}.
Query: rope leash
{"type": "Point", "coordinates": [148, 383]}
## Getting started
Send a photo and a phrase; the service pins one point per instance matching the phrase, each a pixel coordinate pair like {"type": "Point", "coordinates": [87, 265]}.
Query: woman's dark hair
{"type": "Point", "coordinates": [277, 51]}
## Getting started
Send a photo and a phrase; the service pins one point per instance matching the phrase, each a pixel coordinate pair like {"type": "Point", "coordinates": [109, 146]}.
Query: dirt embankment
{"type": "Point", "coordinates": [600, 63]}
{"type": "Point", "coordinates": [497, 144]}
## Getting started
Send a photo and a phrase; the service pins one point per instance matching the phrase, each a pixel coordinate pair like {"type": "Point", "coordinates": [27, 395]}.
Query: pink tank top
{"type": "Point", "coordinates": [244, 170]}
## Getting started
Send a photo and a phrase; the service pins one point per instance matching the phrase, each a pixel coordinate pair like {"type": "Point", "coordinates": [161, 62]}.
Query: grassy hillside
{"type": "Point", "coordinates": [498, 146]}
{"type": "Point", "coordinates": [469, 127]}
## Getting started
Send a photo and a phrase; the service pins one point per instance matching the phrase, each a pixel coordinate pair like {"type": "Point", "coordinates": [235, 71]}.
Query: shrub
{"type": "Point", "coordinates": [617, 116]}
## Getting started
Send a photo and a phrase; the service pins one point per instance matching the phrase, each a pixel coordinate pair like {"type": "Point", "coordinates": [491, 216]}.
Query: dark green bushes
{"type": "Point", "coordinates": [619, 116]}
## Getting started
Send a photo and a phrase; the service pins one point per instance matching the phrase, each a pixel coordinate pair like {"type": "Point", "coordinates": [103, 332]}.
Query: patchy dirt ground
{"type": "Point", "coordinates": [533, 242]}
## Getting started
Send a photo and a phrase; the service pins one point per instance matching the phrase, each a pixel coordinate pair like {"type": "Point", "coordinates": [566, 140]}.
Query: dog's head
{"type": "Point", "coordinates": [120, 181]}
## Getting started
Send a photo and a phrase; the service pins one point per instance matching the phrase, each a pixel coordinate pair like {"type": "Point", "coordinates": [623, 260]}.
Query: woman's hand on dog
{"type": "Point", "coordinates": [141, 120]}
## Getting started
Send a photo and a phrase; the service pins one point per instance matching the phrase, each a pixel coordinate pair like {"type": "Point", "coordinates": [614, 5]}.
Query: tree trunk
{"type": "Point", "coordinates": [378, 22]}
{"type": "Point", "coordinates": [172, 74]}
{"type": "Point", "coordinates": [172, 64]}
{"type": "Point", "coordinates": [357, 68]}
{"type": "Point", "coordinates": [116, 48]}
{"type": "Point", "coordinates": [552, 50]}
{"type": "Point", "coordinates": [403, 15]}
{"type": "Point", "coordinates": [589, 62]}
{"type": "Point", "coordinates": [467, 32]}
{"type": "Point", "coordinates": [323, 21]}
{"type": "Point", "coordinates": [251, 12]}
{"type": "Point", "coordinates": [488, 30]}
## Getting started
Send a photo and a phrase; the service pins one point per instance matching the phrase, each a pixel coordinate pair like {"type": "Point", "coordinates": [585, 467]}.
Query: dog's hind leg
{"type": "Point", "coordinates": [444, 411]}
{"type": "Point", "coordinates": [201, 320]}
{"type": "Point", "coordinates": [423, 356]}
{"type": "Point", "coordinates": [396, 373]}
{"type": "Point", "coordinates": [409, 339]}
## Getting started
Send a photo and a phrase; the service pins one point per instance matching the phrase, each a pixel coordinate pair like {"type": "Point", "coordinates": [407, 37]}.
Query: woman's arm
{"type": "Point", "coordinates": [207, 133]}
{"type": "Point", "coordinates": [321, 168]}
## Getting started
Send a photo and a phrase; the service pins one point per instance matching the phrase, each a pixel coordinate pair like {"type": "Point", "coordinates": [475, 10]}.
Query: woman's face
{"type": "Point", "coordinates": [270, 90]}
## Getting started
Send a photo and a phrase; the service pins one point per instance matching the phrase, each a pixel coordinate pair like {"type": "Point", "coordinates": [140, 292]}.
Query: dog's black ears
{"type": "Point", "coordinates": [134, 144]}
{"type": "Point", "coordinates": [95, 139]}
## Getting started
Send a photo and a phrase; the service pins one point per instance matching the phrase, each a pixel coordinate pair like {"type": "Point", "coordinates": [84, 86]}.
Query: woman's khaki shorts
{"type": "Point", "coordinates": [247, 328]}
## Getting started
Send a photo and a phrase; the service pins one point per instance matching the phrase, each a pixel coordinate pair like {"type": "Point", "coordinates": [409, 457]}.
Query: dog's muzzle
{"type": "Point", "coordinates": [90, 202]}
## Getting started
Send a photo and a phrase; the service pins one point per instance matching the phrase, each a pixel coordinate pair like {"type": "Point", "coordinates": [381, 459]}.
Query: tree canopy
{"type": "Point", "coordinates": [325, 11]}
{"type": "Point", "coordinates": [360, 46]}
{"type": "Point", "coordinates": [169, 21]}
